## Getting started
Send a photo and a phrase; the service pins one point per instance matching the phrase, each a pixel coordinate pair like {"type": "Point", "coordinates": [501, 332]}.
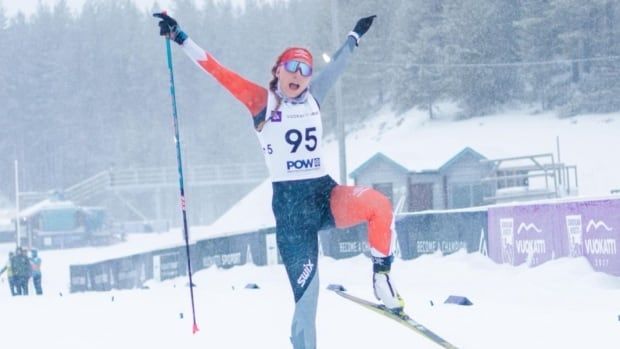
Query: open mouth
{"type": "Point", "coordinates": [293, 86]}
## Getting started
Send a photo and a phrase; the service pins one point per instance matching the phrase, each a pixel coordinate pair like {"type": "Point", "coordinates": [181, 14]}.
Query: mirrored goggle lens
{"type": "Point", "coordinates": [292, 67]}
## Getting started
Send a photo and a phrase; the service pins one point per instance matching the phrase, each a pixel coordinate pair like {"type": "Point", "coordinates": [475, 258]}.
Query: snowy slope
{"type": "Point", "coordinates": [420, 144]}
{"type": "Point", "coordinates": [561, 304]}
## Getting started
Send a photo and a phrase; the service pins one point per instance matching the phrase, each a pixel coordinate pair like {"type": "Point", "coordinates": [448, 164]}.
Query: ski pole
{"type": "Point", "coordinates": [181, 186]}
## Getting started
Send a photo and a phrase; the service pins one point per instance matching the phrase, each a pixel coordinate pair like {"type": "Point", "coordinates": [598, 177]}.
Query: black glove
{"type": "Point", "coordinates": [363, 25]}
{"type": "Point", "coordinates": [169, 27]}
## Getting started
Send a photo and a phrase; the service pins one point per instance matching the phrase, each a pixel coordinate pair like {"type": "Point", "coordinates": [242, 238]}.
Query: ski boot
{"type": "Point", "coordinates": [383, 285]}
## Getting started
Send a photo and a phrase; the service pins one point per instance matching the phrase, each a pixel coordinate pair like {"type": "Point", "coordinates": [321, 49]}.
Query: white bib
{"type": "Point", "coordinates": [292, 140]}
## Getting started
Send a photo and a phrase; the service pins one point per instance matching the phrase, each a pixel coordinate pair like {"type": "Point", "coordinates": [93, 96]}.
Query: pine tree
{"type": "Point", "coordinates": [600, 83]}
{"type": "Point", "coordinates": [4, 57]}
{"type": "Point", "coordinates": [536, 37]}
{"type": "Point", "coordinates": [8, 104]}
{"type": "Point", "coordinates": [583, 32]}
{"type": "Point", "coordinates": [365, 82]}
{"type": "Point", "coordinates": [428, 49]}
{"type": "Point", "coordinates": [481, 33]}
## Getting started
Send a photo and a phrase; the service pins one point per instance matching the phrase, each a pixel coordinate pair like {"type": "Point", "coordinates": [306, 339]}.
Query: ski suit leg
{"type": "Point", "coordinates": [301, 209]}
{"type": "Point", "coordinates": [21, 283]}
{"type": "Point", "coordinates": [25, 282]}
{"type": "Point", "coordinates": [36, 280]}
{"type": "Point", "coordinates": [300, 257]}
{"type": "Point", "coordinates": [351, 205]}
{"type": "Point", "coordinates": [12, 285]}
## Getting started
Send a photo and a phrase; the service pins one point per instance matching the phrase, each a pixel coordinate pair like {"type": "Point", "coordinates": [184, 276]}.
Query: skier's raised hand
{"type": "Point", "coordinates": [362, 26]}
{"type": "Point", "coordinates": [169, 27]}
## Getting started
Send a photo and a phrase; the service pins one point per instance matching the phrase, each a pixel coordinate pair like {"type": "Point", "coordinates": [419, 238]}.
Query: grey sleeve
{"type": "Point", "coordinates": [321, 84]}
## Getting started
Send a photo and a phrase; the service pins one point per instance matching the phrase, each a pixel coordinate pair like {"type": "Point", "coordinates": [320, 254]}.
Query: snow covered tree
{"type": "Point", "coordinates": [598, 85]}
{"type": "Point", "coordinates": [480, 34]}
{"type": "Point", "coordinates": [367, 80]}
{"type": "Point", "coordinates": [421, 74]}
{"type": "Point", "coordinates": [585, 34]}
{"type": "Point", "coordinates": [4, 57]}
{"type": "Point", "coordinates": [535, 38]}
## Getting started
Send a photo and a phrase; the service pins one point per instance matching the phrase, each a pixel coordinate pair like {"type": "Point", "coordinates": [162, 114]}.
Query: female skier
{"type": "Point", "coordinates": [287, 120]}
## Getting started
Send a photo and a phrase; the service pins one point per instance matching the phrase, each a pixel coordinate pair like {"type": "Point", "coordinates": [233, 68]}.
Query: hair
{"type": "Point", "coordinates": [273, 85]}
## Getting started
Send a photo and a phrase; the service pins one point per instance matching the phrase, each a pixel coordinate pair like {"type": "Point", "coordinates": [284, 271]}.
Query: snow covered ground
{"type": "Point", "coordinates": [561, 304]}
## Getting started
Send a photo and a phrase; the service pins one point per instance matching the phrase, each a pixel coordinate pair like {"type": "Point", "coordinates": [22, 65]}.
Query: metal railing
{"type": "Point", "coordinates": [155, 177]}
{"type": "Point", "coordinates": [88, 187]}
{"type": "Point", "coordinates": [557, 178]}
{"type": "Point", "coordinates": [197, 176]}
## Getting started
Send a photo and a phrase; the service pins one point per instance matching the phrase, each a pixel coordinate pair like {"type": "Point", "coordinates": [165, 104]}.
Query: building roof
{"type": "Point", "coordinates": [398, 166]}
{"type": "Point", "coordinates": [44, 205]}
{"type": "Point", "coordinates": [460, 155]}
{"type": "Point", "coordinates": [376, 158]}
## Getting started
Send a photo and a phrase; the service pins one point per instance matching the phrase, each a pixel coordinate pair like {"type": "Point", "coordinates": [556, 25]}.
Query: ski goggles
{"type": "Point", "coordinates": [293, 66]}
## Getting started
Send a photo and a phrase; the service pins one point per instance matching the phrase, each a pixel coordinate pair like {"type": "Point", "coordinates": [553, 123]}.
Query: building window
{"type": "Point", "coordinates": [385, 189]}
{"type": "Point", "coordinates": [466, 195]}
{"type": "Point", "coordinates": [512, 178]}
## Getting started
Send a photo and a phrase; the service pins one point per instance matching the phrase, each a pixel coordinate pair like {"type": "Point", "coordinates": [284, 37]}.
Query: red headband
{"type": "Point", "coordinates": [295, 53]}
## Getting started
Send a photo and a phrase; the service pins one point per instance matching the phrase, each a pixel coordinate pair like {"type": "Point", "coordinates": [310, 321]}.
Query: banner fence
{"type": "Point", "coordinates": [527, 233]}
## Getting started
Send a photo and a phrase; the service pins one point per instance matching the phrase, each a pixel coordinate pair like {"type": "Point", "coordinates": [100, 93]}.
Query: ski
{"type": "Point", "coordinates": [401, 318]}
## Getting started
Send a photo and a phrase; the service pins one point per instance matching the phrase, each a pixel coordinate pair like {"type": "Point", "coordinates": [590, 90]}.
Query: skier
{"type": "Point", "coordinates": [21, 271]}
{"type": "Point", "coordinates": [35, 265]}
{"type": "Point", "coordinates": [9, 273]}
{"type": "Point", "coordinates": [287, 120]}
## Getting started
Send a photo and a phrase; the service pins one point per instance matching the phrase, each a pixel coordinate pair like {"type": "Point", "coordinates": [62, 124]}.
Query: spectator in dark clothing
{"type": "Point", "coordinates": [35, 266]}
{"type": "Point", "coordinates": [9, 273]}
{"type": "Point", "coordinates": [21, 271]}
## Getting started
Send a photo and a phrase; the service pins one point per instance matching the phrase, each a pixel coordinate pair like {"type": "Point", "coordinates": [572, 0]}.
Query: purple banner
{"type": "Point", "coordinates": [538, 233]}
{"type": "Point", "coordinates": [592, 229]}
{"type": "Point", "coordinates": [522, 234]}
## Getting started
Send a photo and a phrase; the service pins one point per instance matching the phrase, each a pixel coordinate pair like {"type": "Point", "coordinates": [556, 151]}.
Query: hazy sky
{"type": "Point", "coordinates": [29, 6]}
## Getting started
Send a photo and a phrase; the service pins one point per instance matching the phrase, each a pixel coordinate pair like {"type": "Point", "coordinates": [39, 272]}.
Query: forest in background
{"type": "Point", "coordinates": [83, 92]}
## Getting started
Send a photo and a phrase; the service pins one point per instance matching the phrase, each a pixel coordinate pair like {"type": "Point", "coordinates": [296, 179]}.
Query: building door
{"type": "Point", "coordinates": [420, 197]}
